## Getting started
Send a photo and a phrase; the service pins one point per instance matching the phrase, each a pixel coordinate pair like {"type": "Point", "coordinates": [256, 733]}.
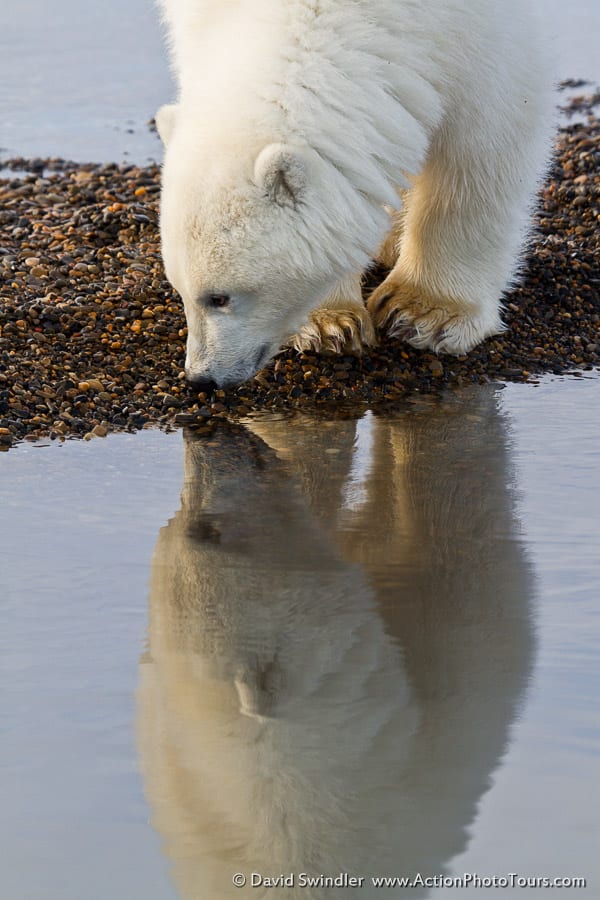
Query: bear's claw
{"type": "Point", "coordinates": [426, 321]}
{"type": "Point", "coordinates": [343, 330]}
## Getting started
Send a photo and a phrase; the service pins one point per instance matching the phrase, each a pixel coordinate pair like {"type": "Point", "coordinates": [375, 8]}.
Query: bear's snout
{"type": "Point", "coordinates": [209, 380]}
{"type": "Point", "coordinates": [201, 382]}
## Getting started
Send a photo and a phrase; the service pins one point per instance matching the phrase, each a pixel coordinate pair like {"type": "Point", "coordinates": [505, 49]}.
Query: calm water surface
{"type": "Point", "coordinates": [364, 646]}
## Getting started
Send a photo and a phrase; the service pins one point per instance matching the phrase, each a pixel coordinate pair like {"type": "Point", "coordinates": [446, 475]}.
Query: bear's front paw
{"type": "Point", "coordinates": [343, 330]}
{"type": "Point", "coordinates": [428, 321]}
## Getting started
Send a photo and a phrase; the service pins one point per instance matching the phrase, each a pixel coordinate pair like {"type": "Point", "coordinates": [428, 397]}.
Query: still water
{"type": "Point", "coordinates": [363, 646]}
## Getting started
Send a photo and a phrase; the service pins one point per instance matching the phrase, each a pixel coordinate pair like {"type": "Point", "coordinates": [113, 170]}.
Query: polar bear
{"type": "Point", "coordinates": [310, 134]}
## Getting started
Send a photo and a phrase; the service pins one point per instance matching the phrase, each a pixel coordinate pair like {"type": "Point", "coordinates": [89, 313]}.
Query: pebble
{"type": "Point", "coordinates": [92, 336]}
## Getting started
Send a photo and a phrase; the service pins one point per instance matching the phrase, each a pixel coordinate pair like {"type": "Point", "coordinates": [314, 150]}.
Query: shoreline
{"type": "Point", "coordinates": [92, 337]}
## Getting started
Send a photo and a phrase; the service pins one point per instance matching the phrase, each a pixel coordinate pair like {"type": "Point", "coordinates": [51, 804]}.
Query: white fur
{"type": "Point", "coordinates": [349, 101]}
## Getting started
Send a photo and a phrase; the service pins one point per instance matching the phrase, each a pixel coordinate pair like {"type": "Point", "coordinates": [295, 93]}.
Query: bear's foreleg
{"type": "Point", "coordinates": [342, 323]}
{"type": "Point", "coordinates": [458, 240]}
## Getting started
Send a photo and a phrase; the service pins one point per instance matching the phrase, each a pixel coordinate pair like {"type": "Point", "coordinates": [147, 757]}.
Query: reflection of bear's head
{"type": "Point", "coordinates": [244, 582]}
{"type": "Point", "coordinates": [324, 697]}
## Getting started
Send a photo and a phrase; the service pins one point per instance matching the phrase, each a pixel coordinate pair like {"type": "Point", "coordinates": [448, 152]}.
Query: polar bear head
{"type": "Point", "coordinates": [254, 234]}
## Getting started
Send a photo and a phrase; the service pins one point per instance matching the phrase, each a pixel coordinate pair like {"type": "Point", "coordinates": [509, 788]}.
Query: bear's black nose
{"type": "Point", "coordinates": [206, 385]}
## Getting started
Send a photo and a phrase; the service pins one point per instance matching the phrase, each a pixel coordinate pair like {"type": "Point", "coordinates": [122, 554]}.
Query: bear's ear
{"type": "Point", "coordinates": [282, 170]}
{"type": "Point", "coordinates": [165, 122]}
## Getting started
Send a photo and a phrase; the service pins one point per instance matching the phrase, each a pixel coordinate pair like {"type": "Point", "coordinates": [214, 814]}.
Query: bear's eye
{"type": "Point", "coordinates": [218, 301]}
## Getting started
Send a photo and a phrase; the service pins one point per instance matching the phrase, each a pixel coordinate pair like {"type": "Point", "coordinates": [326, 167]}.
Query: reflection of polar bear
{"type": "Point", "coordinates": [298, 126]}
{"type": "Point", "coordinates": [329, 685]}
{"type": "Point", "coordinates": [265, 651]}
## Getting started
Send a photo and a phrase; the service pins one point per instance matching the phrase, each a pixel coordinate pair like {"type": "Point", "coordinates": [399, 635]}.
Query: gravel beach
{"type": "Point", "coordinates": [92, 337]}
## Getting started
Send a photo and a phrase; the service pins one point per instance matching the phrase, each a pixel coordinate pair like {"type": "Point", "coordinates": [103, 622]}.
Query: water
{"type": "Point", "coordinates": [364, 646]}
{"type": "Point", "coordinates": [80, 79]}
